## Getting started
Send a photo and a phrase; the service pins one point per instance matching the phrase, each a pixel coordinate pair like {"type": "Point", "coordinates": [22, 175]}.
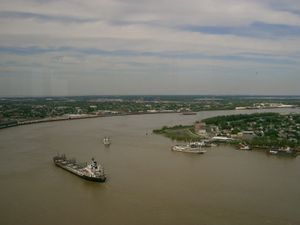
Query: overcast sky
{"type": "Point", "coordinates": [75, 47]}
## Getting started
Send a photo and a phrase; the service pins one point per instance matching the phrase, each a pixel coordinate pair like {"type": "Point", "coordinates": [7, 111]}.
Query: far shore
{"type": "Point", "coordinates": [90, 116]}
{"type": "Point", "coordinates": [56, 119]}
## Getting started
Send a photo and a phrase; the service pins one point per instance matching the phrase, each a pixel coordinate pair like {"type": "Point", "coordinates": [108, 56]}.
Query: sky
{"type": "Point", "coordinates": [138, 47]}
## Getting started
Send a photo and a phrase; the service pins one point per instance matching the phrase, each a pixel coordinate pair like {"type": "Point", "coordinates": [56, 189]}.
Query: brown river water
{"type": "Point", "coordinates": [147, 183]}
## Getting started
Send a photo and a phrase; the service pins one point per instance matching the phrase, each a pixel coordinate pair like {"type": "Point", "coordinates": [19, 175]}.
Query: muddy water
{"type": "Point", "coordinates": [147, 183]}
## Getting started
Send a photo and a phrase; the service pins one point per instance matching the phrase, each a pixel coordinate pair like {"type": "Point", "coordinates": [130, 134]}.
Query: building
{"type": "Point", "coordinates": [200, 129]}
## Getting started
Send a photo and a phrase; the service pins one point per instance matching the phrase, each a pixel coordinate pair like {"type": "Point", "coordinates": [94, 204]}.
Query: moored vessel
{"type": "Point", "coordinates": [187, 113]}
{"type": "Point", "coordinates": [243, 146]}
{"type": "Point", "coordinates": [92, 171]}
{"type": "Point", "coordinates": [189, 148]}
{"type": "Point", "coordinates": [283, 152]}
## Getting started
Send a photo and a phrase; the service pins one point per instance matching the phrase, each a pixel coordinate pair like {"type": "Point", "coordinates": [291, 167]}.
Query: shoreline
{"type": "Point", "coordinates": [57, 119]}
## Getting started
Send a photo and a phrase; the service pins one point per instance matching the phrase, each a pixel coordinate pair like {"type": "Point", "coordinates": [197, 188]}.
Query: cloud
{"type": "Point", "coordinates": [11, 15]}
{"type": "Point", "coordinates": [256, 30]}
{"type": "Point", "coordinates": [208, 37]}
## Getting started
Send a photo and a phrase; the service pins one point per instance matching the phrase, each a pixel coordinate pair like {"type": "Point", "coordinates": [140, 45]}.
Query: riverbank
{"type": "Point", "coordinates": [244, 131]}
{"type": "Point", "coordinates": [79, 117]}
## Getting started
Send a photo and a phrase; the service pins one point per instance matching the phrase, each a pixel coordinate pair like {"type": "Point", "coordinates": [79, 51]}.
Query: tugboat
{"type": "Point", "coordinates": [92, 171]}
{"type": "Point", "coordinates": [106, 141]}
{"type": "Point", "coordinates": [243, 146]}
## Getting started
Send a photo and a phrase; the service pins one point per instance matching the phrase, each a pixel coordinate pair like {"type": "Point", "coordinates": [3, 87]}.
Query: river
{"type": "Point", "coordinates": [147, 183]}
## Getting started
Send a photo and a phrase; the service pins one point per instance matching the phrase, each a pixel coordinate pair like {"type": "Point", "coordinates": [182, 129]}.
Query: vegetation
{"type": "Point", "coordinates": [270, 129]}
{"type": "Point", "coordinates": [28, 109]}
{"type": "Point", "coordinates": [261, 130]}
{"type": "Point", "coordinates": [180, 133]}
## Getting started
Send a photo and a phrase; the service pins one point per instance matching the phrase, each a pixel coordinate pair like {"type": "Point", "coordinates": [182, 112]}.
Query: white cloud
{"type": "Point", "coordinates": [136, 37]}
{"type": "Point", "coordinates": [151, 32]}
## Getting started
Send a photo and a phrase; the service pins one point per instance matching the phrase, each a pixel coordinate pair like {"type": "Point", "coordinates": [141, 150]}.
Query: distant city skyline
{"type": "Point", "coordinates": [136, 47]}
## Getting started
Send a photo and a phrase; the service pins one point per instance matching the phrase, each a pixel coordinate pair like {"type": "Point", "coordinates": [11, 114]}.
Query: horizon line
{"type": "Point", "coordinates": [132, 95]}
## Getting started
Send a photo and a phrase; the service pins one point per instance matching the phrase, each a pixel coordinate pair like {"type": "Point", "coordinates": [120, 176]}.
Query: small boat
{"type": "Point", "coordinates": [106, 141]}
{"type": "Point", "coordinates": [92, 171]}
{"type": "Point", "coordinates": [190, 148]}
{"type": "Point", "coordinates": [189, 113]}
{"type": "Point", "coordinates": [282, 152]}
{"type": "Point", "coordinates": [273, 152]}
{"type": "Point", "coordinates": [243, 146]}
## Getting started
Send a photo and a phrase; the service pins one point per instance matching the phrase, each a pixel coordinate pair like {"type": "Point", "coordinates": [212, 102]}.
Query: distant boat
{"type": "Point", "coordinates": [189, 113]}
{"type": "Point", "coordinates": [273, 152]}
{"type": "Point", "coordinates": [283, 152]}
{"type": "Point", "coordinates": [244, 147]}
{"type": "Point", "coordinates": [106, 141]}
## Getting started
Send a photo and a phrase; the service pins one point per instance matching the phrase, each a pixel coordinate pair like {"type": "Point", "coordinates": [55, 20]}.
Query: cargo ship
{"type": "Point", "coordinates": [92, 171]}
